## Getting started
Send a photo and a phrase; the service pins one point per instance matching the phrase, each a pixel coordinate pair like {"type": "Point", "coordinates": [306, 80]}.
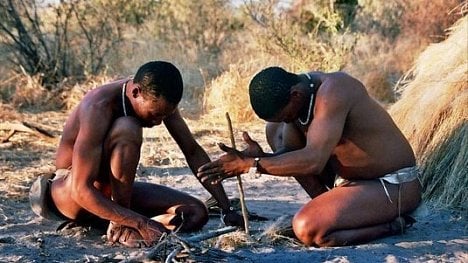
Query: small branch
{"type": "Point", "coordinates": [11, 133]}
{"type": "Point", "coordinates": [211, 234]}
{"type": "Point", "coordinates": [239, 181]}
{"type": "Point", "coordinates": [173, 240]}
{"type": "Point", "coordinates": [24, 127]}
{"type": "Point", "coordinates": [173, 254]}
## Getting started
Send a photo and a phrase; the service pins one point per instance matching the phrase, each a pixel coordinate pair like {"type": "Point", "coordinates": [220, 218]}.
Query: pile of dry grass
{"type": "Point", "coordinates": [433, 114]}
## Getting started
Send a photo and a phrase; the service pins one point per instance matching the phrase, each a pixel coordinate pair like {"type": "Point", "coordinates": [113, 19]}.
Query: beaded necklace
{"type": "Point", "coordinates": [311, 85]}
{"type": "Point", "coordinates": [124, 87]}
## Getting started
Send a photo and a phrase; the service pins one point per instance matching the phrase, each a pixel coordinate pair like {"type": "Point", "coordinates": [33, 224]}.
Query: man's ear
{"type": "Point", "coordinates": [136, 91]}
{"type": "Point", "coordinates": [296, 93]}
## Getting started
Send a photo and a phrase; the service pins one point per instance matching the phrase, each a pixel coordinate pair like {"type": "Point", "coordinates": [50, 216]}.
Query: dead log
{"type": "Point", "coordinates": [27, 127]}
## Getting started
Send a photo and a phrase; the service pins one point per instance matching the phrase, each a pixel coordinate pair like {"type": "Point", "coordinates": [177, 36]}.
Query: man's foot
{"type": "Point", "coordinates": [215, 210]}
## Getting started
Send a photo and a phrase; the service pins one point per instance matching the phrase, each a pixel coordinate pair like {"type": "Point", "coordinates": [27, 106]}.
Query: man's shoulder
{"type": "Point", "coordinates": [342, 83]}
{"type": "Point", "coordinates": [339, 76]}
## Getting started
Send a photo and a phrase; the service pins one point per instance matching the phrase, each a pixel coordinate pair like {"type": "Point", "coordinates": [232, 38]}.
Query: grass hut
{"type": "Point", "coordinates": [433, 111]}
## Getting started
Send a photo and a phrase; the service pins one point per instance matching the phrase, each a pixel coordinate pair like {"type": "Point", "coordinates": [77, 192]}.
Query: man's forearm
{"type": "Point", "coordinates": [94, 202]}
{"type": "Point", "coordinates": [289, 163]}
{"type": "Point", "coordinates": [216, 190]}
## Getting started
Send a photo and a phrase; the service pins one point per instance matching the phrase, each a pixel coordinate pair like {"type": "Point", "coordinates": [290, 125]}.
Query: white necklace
{"type": "Point", "coordinates": [311, 85]}
{"type": "Point", "coordinates": [124, 87]}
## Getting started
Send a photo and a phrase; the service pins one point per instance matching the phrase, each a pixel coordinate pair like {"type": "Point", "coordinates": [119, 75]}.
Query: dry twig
{"type": "Point", "coordinates": [239, 181]}
{"type": "Point", "coordinates": [177, 244]}
{"type": "Point", "coordinates": [23, 127]}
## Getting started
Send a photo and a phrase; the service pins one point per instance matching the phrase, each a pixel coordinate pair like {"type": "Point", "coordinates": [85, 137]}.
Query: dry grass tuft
{"type": "Point", "coordinates": [230, 93]}
{"type": "Point", "coordinates": [433, 114]}
{"type": "Point", "coordinates": [8, 113]}
{"type": "Point", "coordinates": [279, 232]}
{"type": "Point", "coordinates": [28, 92]}
{"type": "Point", "coordinates": [232, 241]}
{"type": "Point", "coordinates": [71, 96]}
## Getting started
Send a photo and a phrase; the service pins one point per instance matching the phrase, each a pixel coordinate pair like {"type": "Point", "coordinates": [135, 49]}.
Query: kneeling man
{"type": "Point", "coordinates": [98, 156]}
{"type": "Point", "coordinates": [340, 145]}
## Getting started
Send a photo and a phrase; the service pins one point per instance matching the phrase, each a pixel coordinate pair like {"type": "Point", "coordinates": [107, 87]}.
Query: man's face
{"type": "Point", "coordinates": [288, 114]}
{"type": "Point", "coordinates": [152, 111]}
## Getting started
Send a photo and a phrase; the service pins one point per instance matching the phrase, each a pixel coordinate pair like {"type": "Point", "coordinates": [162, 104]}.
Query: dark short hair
{"type": "Point", "coordinates": [160, 78]}
{"type": "Point", "coordinates": [269, 91]}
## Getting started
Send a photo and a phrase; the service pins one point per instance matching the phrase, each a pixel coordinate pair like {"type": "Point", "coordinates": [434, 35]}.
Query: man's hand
{"type": "Point", "coordinates": [231, 164]}
{"type": "Point", "coordinates": [148, 234]}
{"type": "Point", "coordinates": [152, 231]}
{"type": "Point", "coordinates": [253, 149]}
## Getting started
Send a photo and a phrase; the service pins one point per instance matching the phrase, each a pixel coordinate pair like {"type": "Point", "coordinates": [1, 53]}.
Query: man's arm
{"type": "Point", "coordinates": [194, 154]}
{"type": "Point", "coordinates": [323, 135]}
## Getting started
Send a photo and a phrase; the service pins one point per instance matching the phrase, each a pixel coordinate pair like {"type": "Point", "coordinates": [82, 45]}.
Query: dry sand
{"type": "Point", "coordinates": [439, 236]}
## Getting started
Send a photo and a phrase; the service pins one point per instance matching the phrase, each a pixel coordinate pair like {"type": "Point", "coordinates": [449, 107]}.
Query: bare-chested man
{"type": "Point", "coordinates": [340, 145]}
{"type": "Point", "coordinates": [98, 156]}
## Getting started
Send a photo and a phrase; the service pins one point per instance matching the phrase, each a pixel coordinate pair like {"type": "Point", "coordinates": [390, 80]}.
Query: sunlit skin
{"type": "Point", "coordinates": [102, 147]}
{"type": "Point", "coordinates": [350, 135]}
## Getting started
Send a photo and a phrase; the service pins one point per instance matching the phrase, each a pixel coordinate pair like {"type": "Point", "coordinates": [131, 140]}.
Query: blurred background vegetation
{"type": "Point", "coordinates": [52, 52]}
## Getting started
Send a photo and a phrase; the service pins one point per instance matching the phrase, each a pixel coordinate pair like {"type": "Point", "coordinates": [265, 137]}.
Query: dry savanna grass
{"type": "Point", "coordinates": [433, 114]}
{"type": "Point", "coordinates": [230, 93]}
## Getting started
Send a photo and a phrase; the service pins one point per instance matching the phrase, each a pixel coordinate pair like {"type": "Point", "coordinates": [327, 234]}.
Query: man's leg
{"type": "Point", "coordinates": [354, 214]}
{"type": "Point", "coordinates": [167, 206]}
{"type": "Point", "coordinates": [170, 207]}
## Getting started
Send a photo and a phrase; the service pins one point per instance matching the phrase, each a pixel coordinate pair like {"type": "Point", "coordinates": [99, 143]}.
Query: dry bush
{"type": "Point", "coordinates": [308, 37]}
{"type": "Point", "coordinates": [191, 34]}
{"type": "Point", "coordinates": [428, 20]}
{"type": "Point", "coordinates": [71, 95]}
{"type": "Point", "coordinates": [27, 92]}
{"type": "Point", "coordinates": [230, 93]}
{"type": "Point", "coordinates": [371, 50]}
{"type": "Point", "coordinates": [391, 36]}
{"type": "Point", "coordinates": [433, 115]}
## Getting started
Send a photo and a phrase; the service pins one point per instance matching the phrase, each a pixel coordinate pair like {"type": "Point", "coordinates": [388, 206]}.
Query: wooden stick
{"type": "Point", "coordinates": [190, 241]}
{"type": "Point", "coordinates": [211, 234]}
{"type": "Point", "coordinates": [239, 181]}
{"type": "Point", "coordinates": [172, 255]}
{"type": "Point", "coordinates": [25, 127]}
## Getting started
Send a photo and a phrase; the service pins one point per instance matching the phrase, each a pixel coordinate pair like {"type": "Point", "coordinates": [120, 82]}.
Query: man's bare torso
{"type": "Point", "coordinates": [106, 98]}
{"type": "Point", "coordinates": [371, 145]}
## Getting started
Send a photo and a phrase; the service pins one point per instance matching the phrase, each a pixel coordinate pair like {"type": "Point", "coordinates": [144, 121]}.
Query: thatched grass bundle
{"type": "Point", "coordinates": [433, 114]}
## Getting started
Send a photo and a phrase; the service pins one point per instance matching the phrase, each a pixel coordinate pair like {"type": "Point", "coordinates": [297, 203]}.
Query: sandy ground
{"type": "Point", "coordinates": [438, 236]}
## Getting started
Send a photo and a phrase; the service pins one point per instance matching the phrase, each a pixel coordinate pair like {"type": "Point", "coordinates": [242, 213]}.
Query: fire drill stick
{"type": "Point", "coordinates": [239, 181]}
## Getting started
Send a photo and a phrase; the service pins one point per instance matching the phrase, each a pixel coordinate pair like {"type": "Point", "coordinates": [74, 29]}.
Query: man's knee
{"type": "Point", "coordinates": [274, 135]}
{"type": "Point", "coordinates": [307, 229]}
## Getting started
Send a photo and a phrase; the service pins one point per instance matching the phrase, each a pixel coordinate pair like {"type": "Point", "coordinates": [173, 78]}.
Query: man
{"type": "Point", "coordinates": [98, 156]}
{"type": "Point", "coordinates": [341, 146]}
